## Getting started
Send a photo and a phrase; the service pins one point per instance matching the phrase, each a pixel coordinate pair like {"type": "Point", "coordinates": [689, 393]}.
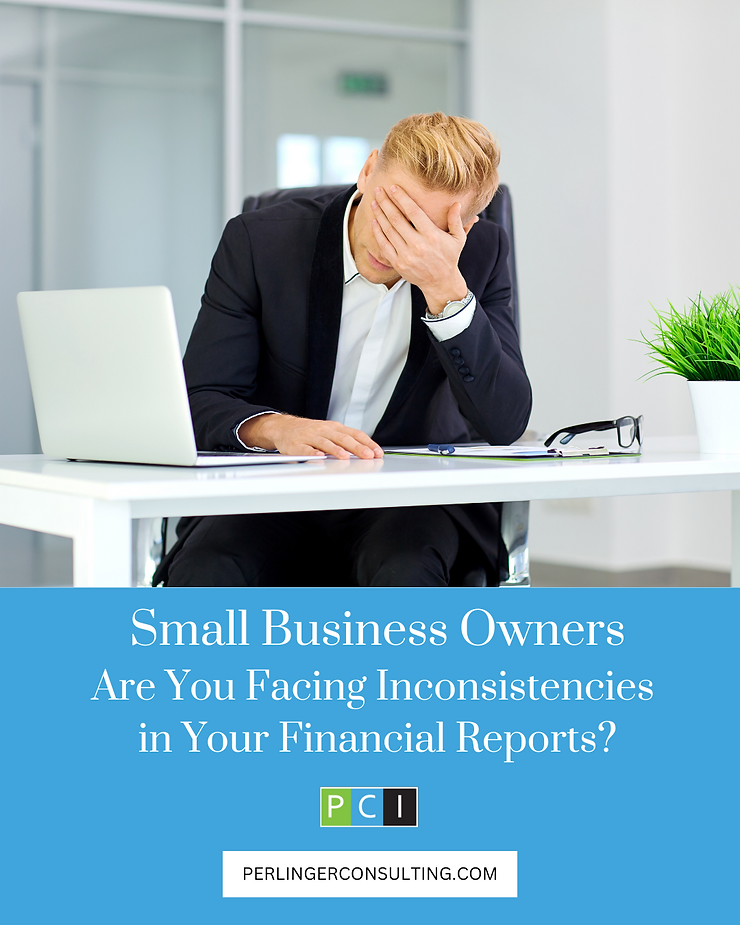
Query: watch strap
{"type": "Point", "coordinates": [451, 308]}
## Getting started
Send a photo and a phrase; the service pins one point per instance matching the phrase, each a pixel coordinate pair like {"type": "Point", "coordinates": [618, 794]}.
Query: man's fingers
{"type": "Point", "coordinates": [384, 208]}
{"type": "Point", "coordinates": [356, 442]}
{"type": "Point", "coordinates": [414, 213]}
{"type": "Point", "coordinates": [331, 448]}
{"type": "Point", "coordinates": [332, 438]}
{"type": "Point", "coordinates": [305, 437]}
{"type": "Point", "coordinates": [318, 445]}
{"type": "Point", "coordinates": [367, 441]}
{"type": "Point", "coordinates": [305, 449]}
{"type": "Point", "coordinates": [454, 221]}
{"type": "Point", "coordinates": [387, 250]}
{"type": "Point", "coordinates": [336, 447]}
{"type": "Point", "coordinates": [394, 235]}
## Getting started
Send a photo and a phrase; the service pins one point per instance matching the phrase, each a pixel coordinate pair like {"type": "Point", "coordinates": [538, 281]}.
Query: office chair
{"type": "Point", "coordinates": [150, 535]}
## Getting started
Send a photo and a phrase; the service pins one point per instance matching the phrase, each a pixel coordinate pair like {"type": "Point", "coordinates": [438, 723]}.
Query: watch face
{"type": "Point", "coordinates": [460, 303]}
{"type": "Point", "coordinates": [451, 308]}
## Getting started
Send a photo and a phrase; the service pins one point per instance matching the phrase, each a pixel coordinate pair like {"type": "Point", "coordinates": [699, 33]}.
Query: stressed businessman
{"type": "Point", "coordinates": [342, 324]}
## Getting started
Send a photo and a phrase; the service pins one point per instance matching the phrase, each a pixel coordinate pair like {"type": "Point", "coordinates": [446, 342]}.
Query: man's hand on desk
{"type": "Point", "coordinates": [419, 250]}
{"type": "Point", "coordinates": [305, 437]}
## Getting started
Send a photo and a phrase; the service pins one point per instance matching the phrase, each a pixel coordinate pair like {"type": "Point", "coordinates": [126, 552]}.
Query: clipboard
{"type": "Point", "coordinates": [514, 451]}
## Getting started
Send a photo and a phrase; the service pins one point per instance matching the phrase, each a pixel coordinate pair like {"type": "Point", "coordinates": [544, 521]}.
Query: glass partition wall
{"type": "Point", "coordinates": [124, 150]}
{"type": "Point", "coordinates": [129, 136]}
{"type": "Point", "coordinates": [131, 130]}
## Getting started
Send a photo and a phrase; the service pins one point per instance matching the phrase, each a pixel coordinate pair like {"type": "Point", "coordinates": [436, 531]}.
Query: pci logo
{"type": "Point", "coordinates": [371, 806]}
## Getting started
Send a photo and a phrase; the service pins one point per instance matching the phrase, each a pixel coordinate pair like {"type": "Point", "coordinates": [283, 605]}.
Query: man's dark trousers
{"type": "Point", "coordinates": [382, 547]}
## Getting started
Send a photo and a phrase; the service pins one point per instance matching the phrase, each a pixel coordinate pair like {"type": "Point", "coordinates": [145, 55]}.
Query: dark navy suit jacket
{"type": "Point", "coordinates": [267, 332]}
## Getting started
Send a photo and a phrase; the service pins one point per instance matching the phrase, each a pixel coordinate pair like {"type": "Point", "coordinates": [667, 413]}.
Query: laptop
{"type": "Point", "coordinates": [107, 379]}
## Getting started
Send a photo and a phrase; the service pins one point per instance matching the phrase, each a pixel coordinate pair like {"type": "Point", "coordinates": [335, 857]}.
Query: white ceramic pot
{"type": "Point", "coordinates": [717, 413]}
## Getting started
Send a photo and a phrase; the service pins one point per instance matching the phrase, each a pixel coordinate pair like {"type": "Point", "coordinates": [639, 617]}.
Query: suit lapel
{"type": "Point", "coordinates": [325, 306]}
{"type": "Point", "coordinates": [419, 348]}
{"type": "Point", "coordinates": [325, 315]}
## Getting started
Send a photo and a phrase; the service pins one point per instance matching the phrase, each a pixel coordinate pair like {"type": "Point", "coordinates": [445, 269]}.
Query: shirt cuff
{"type": "Point", "coordinates": [235, 431]}
{"type": "Point", "coordinates": [443, 327]}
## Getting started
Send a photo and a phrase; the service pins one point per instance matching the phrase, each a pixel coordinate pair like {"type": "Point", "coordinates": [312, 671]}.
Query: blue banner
{"type": "Point", "coordinates": [203, 755]}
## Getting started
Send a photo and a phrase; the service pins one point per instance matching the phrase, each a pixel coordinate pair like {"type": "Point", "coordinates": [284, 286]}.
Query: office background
{"type": "Point", "coordinates": [131, 129]}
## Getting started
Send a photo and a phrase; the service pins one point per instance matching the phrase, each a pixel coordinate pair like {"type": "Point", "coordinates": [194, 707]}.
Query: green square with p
{"type": "Point", "coordinates": [336, 806]}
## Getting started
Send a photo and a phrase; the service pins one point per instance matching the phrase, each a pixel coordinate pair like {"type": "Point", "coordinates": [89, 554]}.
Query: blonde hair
{"type": "Point", "coordinates": [446, 153]}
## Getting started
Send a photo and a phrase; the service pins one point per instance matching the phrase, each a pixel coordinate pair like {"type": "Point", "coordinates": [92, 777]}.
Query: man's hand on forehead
{"type": "Point", "coordinates": [420, 251]}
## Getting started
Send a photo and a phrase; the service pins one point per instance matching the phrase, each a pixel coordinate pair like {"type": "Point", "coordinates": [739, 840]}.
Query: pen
{"type": "Point", "coordinates": [444, 449]}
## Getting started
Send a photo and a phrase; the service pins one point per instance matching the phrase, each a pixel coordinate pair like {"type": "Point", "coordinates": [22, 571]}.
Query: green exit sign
{"type": "Point", "coordinates": [363, 84]}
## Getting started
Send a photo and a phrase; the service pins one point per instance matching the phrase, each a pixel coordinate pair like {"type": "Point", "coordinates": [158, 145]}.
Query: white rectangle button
{"type": "Point", "coordinates": [348, 874]}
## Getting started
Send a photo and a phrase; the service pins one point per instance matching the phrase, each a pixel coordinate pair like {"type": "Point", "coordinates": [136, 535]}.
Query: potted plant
{"type": "Point", "coordinates": [702, 344]}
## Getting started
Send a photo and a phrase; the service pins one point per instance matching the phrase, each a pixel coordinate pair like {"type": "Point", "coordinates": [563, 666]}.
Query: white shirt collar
{"type": "Point", "coordinates": [350, 267]}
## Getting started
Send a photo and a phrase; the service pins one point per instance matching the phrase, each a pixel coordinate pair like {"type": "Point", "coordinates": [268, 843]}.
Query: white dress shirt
{"type": "Point", "coordinates": [374, 336]}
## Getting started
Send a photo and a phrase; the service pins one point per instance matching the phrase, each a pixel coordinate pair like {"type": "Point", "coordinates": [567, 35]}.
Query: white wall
{"type": "Point", "coordinates": [618, 124]}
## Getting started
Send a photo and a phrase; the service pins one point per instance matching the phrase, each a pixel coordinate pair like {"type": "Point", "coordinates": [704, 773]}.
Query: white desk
{"type": "Point", "coordinates": [95, 503]}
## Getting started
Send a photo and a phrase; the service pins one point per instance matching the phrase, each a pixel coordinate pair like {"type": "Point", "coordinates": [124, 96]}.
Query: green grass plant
{"type": "Point", "coordinates": [701, 343]}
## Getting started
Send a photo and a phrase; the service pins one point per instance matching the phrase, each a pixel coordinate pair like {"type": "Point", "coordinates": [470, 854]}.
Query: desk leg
{"type": "Point", "coordinates": [102, 545]}
{"type": "Point", "coordinates": [735, 551]}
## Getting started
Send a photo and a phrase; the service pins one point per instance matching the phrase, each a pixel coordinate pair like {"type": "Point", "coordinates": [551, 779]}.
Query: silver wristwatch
{"type": "Point", "coordinates": [451, 308]}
